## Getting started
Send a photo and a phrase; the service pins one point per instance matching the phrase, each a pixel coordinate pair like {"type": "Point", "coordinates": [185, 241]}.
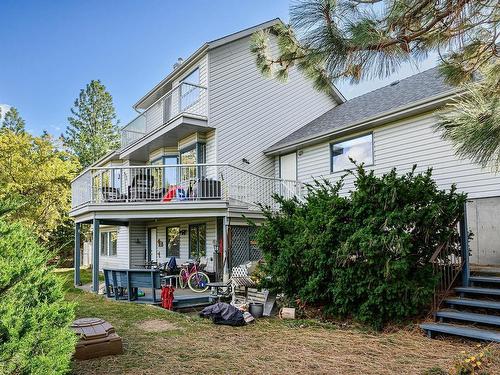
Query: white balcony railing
{"type": "Point", "coordinates": [186, 98]}
{"type": "Point", "coordinates": [167, 184]}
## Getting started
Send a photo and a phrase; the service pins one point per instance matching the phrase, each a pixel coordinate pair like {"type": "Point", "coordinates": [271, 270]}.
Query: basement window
{"type": "Point", "coordinates": [360, 149]}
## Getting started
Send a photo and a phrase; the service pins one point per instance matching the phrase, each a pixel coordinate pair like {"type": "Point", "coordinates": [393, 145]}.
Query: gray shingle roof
{"type": "Point", "coordinates": [416, 88]}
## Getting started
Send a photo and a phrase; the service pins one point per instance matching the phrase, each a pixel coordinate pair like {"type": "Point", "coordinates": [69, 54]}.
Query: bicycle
{"type": "Point", "coordinates": [191, 275]}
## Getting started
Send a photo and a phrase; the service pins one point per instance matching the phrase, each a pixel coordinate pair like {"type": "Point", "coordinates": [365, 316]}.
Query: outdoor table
{"type": "Point", "coordinates": [167, 279]}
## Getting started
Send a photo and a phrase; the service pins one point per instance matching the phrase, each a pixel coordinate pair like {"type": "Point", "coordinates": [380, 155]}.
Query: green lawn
{"type": "Point", "coordinates": [157, 341]}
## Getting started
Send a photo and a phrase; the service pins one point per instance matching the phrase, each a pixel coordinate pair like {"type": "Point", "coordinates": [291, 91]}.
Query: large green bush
{"type": "Point", "coordinates": [35, 337]}
{"type": "Point", "coordinates": [364, 254]}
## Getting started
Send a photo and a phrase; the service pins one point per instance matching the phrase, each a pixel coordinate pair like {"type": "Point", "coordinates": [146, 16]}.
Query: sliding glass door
{"type": "Point", "coordinates": [168, 175]}
{"type": "Point", "coordinates": [195, 154]}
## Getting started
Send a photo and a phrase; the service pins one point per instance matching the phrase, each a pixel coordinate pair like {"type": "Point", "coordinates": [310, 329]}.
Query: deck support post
{"type": "Point", "coordinates": [464, 244]}
{"type": "Point", "coordinates": [225, 249]}
{"type": "Point", "coordinates": [76, 256]}
{"type": "Point", "coordinates": [95, 256]}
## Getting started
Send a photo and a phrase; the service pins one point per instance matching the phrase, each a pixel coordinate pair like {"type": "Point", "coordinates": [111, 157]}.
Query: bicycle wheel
{"type": "Point", "coordinates": [198, 282]}
{"type": "Point", "coordinates": [183, 277]}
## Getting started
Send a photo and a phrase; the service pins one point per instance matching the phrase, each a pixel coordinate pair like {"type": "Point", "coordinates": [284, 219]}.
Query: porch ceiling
{"type": "Point", "coordinates": [165, 136]}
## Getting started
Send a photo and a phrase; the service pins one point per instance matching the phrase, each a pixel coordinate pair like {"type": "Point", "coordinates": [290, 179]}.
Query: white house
{"type": "Point", "coordinates": [193, 163]}
{"type": "Point", "coordinates": [394, 127]}
{"type": "Point", "coordinates": [215, 137]}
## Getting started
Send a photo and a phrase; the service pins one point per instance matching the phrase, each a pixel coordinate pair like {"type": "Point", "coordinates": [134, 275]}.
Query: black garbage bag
{"type": "Point", "coordinates": [223, 313]}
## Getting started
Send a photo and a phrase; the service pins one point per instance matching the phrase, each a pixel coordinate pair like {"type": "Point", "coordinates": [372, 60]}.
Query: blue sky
{"type": "Point", "coordinates": [52, 49]}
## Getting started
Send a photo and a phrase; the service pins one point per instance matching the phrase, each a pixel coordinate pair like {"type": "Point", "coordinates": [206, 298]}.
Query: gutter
{"type": "Point", "coordinates": [384, 117]}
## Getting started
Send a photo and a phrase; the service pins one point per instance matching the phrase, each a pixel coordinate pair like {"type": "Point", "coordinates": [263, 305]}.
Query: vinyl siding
{"type": "Point", "coordinates": [137, 253]}
{"type": "Point", "coordinates": [188, 141]}
{"type": "Point", "coordinates": [401, 145]}
{"type": "Point", "coordinates": [211, 154]}
{"type": "Point", "coordinates": [277, 167]}
{"type": "Point", "coordinates": [184, 243]}
{"type": "Point", "coordinates": [120, 260]}
{"type": "Point", "coordinates": [158, 153]}
{"type": "Point", "coordinates": [251, 112]}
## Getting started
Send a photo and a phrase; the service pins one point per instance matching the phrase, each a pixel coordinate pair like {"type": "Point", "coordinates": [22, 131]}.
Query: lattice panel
{"type": "Point", "coordinates": [243, 248]}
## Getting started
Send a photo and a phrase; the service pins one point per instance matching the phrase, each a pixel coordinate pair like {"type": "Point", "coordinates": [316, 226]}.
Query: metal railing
{"type": "Point", "coordinates": [448, 262]}
{"type": "Point", "coordinates": [180, 183]}
{"type": "Point", "coordinates": [185, 98]}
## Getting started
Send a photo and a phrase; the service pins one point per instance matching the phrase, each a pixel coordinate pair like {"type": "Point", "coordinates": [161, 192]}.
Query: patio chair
{"type": "Point", "coordinates": [142, 187]}
{"type": "Point", "coordinates": [240, 279]}
{"type": "Point", "coordinates": [111, 194]}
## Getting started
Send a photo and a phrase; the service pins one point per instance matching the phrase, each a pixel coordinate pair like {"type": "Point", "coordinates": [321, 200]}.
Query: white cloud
{"type": "Point", "coordinates": [5, 108]}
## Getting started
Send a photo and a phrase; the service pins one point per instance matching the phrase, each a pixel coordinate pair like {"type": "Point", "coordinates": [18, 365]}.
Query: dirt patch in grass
{"type": "Point", "coordinates": [157, 325]}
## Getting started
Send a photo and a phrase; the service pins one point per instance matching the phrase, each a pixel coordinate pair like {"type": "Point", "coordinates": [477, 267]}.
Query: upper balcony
{"type": "Point", "coordinates": [180, 112]}
{"type": "Point", "coordinates": [162, 187]}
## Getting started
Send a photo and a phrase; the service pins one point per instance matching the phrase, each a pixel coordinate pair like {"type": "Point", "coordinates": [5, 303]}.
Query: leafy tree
{"type": "Point", "coordinates": [365, 255]}
{"type": "Point", "coordinates": [329, 40]}
{"type": "Point", "coordinates": [35, 171]}
{"type": "Point", "coordinates": [13, 121]}
{"type": "Point", "coordinates": [34, 317]}
{"type": "Point", "coordinates": [93, 129]}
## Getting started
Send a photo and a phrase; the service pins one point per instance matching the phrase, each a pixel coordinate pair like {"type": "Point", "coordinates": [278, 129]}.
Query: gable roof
{"type": "Point", "coordinates": [410, 92]}
{"type": "Point", "coordinates": [204, 48]}
{"type": "Point", "coordinates": [214, 44]}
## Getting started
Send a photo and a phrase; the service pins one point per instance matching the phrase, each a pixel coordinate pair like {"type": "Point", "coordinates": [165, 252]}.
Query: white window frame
{"type": "Point", "coordinates": [108, 238]}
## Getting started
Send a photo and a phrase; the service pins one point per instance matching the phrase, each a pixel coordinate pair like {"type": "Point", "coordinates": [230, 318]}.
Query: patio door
{"type": "Point", "coordinates": [152, 246]}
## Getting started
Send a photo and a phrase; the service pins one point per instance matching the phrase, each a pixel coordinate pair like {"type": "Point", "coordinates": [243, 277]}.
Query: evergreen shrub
{"type": "Point", "coordinates": [364, 253]}
{"type": "Point", "coordinates": [35, 337]}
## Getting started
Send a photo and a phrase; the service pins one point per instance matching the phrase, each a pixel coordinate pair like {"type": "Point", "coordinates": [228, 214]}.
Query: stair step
{"type": "Point", "coordinates": [485, 270]}
{"type": "Point", "coordinates": [474, 290]}
{"type": "Point", "coordinates": [485, 279]}
{"type": "Point", "coordinates": [470, 317]}
{"type": "Point", "coordinates": [473, 303]}
{"type": "Point", "coordinates": [188, 301]}
{"type": "Point", "coordinates": [451, 329]}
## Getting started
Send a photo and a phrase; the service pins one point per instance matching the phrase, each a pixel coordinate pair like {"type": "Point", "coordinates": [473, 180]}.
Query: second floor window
{"type": "Point", "coordinates": [360, 149]}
